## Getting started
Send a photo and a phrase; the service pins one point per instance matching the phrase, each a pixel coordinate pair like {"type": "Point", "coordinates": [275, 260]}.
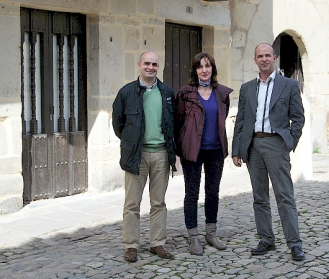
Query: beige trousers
{"type": "Point", "coordinates": [154, 165]}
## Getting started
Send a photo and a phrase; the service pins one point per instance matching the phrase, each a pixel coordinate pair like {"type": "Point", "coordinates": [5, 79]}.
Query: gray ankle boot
{"type": "Point", "coordinates": [212, 238]}
{"type": "Point", "coordinates": [195, 245]}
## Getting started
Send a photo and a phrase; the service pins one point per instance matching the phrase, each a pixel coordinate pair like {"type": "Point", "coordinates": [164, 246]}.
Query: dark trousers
{"type": "Point", "coordinates": [213, 162]}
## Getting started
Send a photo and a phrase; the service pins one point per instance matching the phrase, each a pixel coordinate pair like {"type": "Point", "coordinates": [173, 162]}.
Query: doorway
{"type": "Point", "coordinates": [288, 58]}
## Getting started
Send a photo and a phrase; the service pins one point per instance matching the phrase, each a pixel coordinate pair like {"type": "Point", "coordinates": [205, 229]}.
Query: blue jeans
{"type": "Point", "coordinates": [213, 161]}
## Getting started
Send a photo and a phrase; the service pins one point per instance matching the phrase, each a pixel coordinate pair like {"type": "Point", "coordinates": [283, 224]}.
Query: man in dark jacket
{"type": "Point", "coordinates": [143, 119]}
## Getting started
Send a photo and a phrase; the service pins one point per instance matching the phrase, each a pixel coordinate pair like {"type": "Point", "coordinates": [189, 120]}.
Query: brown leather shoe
{"type": "Point", "coordinates": [161, 251]}
{"type": "Point", "coordinates": [131, 255]}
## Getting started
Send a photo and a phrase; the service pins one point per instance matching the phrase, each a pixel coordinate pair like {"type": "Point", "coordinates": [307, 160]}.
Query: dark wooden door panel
{"type": "Point", "coordinates": [79, 163]}
{"type": "Point", "coordinates": [62, 164]}
{"type": "Point", "coordinates": [41, 186]}
{"type": "Point", "coordinates": [182, 44]}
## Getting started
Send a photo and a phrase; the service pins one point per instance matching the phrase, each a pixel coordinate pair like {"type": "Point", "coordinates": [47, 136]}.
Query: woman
{"type": "Point", "coordinates": [202, 108]}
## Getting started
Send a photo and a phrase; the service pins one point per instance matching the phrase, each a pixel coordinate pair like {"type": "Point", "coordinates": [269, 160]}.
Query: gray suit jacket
{"type": "Point", "coordinates": [286, 115]}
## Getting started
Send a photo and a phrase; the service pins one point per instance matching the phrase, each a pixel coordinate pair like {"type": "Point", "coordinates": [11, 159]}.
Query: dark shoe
{"type": "Point", "coordinates": [297, 253]}
{"type": "Point", "coordinates": [131, 255]}
{"type": "Point", "coordinates": [161, 251]}
{"type": "Point", "coordinates": [263, 248]}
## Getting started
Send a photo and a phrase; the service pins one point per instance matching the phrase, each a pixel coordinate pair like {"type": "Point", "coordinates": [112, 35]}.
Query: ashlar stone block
{"type": "Point", "coordinates": [126, 7]}
{"type": "Point", "coordinates": [146, 7]}
{"type": "Point", "coordinates": [14, 128]}
{"type": "Point", "coordinates": [235, 85]}
{"type": "Point", "coordinates": [97, 6]}
{"type": "Point", "coordinates": [3, 138]}
{"type": "Point", "coordinates": [222, 57]}
{"type": "Point", "coordinates": [204, 13]}
{"type": "Point", "coordinates": [130, 66]}
{"type": "Point", "coordinates": [156, 21]}
{"type": "Point", "coordinates": [154, 38]}
{"type": "Point", "coordinates": [255, 1]}
{"type": "Point", "coordinates": [243, 14]}
{"type": "Point", "coordinates": [239, 38]}
{"type": "Point", "coordinates": [124, 20]}
{"type": "Point", "coordinates": [9, 9]}
{"type": "Point", "coordinates": [237, 69]}
{"type": "Point", "coordinates": [261, 30]}
{"type": "Point", "coordinates": [10, 62]}
{"type": "Point", "coordinates": [236, 53]}
{"type": "Point", "coordinates": [11, 204]}
{"type": "Point", "coordinates": [11, 108]}
{"type": "Point", "coordinates": [106, 152]}
{"type": "Point", "coordinates": [100, 103]}
{"type": "Point", "coordinates": [10, 165]}
{"type": "Point", "coordinates": [99, 132]}
{"type": "Point", "coordinates": [216, 37]}
{"type": "Point", "coordinates": [111, 56]}
{"type": "Point", "coordinates": [318, 124]}
{"type": "Point", "coordinates": [208, 37]}
{"type": "Point", "coordinates": [11, 184]}
{"type": "Point", "coordinates": [132, 38]}
{"type": "Point", "coordinates": [209, 49]}
{"type": "Point", "coordinates": [112, 176]}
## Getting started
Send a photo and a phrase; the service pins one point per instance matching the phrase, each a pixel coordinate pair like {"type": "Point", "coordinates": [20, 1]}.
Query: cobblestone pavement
{"type": "Point", "coordinates": [94, 250]}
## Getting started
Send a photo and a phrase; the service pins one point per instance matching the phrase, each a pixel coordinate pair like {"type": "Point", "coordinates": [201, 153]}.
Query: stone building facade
{"type": "Point", "coordinates": [118, 31]}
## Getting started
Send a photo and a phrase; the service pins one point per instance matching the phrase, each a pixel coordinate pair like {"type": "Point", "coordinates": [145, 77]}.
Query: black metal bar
{"type": "Point", "coordinates": [72, 120]}
{"type": "Point", "coordinates": [61, 119]}
{"type": "Point", "coordinates": [34, 121]}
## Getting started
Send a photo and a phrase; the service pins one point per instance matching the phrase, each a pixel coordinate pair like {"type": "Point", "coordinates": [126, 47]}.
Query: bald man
{"type": "Point", "coordinates": [268, 126]}
{"type": "Point", "coordinates": [143, 119]}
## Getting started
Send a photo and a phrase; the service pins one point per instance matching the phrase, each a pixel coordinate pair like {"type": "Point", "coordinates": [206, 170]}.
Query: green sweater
{"type": "Point", "coordinates": [152, 103]}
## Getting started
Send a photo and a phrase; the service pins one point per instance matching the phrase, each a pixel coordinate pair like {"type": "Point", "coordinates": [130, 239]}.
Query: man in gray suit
{"type": "Point", "coordinates": [268, 126]}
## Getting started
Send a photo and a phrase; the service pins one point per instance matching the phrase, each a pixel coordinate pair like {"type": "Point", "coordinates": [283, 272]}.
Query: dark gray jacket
{"type": "Point", "coordinates": [286, 114]}
{"type": "Point", "coordinates": [128, 121]}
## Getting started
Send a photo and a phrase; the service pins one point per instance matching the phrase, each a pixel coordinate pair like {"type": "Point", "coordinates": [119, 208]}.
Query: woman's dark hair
{"type": "Point", "coordinates": [196, 61]}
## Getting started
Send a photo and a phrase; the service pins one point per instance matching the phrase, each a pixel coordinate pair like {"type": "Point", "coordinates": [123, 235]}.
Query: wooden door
{"type": "Point", "coordinates": [53, 92]}
{"type": "Point", "coordinates": [182, 44]}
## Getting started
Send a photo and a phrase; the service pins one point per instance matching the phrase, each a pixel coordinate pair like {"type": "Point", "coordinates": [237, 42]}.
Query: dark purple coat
{"type": "Point", "coordinates": [190, 117]}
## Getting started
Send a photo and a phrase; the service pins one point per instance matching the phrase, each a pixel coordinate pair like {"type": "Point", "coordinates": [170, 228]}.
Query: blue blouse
{"type": "Point", "coordinates": [210, 136]}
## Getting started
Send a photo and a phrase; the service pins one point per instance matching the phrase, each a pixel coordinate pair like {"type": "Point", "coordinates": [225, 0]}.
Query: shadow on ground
{"type": "Point", "coordinates": [97, 252]}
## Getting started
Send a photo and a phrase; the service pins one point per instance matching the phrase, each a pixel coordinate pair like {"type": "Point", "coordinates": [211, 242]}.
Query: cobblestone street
{"type": "Point", "coordinates": [92, 249]}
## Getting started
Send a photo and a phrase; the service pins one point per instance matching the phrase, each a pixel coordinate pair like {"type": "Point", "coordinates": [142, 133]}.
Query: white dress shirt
{"type": "Point", "coordinates": [264, 93]}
